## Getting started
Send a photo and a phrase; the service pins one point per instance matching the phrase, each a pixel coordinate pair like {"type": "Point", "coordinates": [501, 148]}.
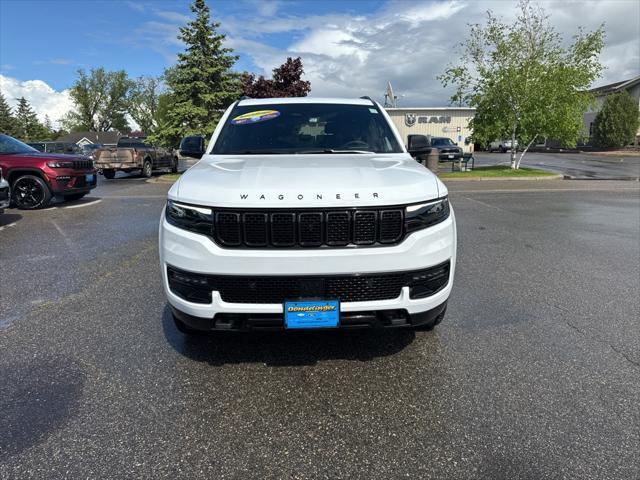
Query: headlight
{"type": "Point", "coordinates": [190, 217]}
{"type": "Point", "coordinates": [60, 164]}
{"type": "Point", "coordinates": [425, 215]}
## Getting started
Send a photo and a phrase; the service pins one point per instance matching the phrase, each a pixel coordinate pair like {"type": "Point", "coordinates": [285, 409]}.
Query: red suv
{"type": "Point", "coordinates": [36, 177]}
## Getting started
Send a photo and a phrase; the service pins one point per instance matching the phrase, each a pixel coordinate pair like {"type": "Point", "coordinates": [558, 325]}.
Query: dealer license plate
{"type": "Point", "coordinates": [312, 314]}
{"type": "Point", "coordinates": [90, 178]}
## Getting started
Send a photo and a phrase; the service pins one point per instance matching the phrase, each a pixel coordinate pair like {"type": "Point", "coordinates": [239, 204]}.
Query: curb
{"type": "Point", "coordinates": [504, 179]}
{"type": "Point", "coordinates": [624, 179]}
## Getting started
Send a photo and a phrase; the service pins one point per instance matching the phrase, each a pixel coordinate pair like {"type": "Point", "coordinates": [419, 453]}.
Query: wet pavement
{"type": "Point", "coordinates": [579, 166]}
{"type": "Point", "coordinates": [534, 373]}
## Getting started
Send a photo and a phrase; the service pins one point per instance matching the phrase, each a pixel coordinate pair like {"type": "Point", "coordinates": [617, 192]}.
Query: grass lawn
{"type": "Point", "coordinates": [169, 177]}
{"type": "Point", "coordinates": [497, 171]}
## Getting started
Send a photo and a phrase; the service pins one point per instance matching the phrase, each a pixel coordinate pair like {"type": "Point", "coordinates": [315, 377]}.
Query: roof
{"type": "Point", "coordinates": [616, 87]}
{"type": "Point", "coordinates": [270, 101]}
{"type": "Point", "coordinates": [94, 137]}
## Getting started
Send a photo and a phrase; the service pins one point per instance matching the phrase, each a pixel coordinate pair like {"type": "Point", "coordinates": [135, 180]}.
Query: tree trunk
{"type": "Point", "coordinates": [514, 165]}
{"type": "Point", "coordinates": [525, 150]}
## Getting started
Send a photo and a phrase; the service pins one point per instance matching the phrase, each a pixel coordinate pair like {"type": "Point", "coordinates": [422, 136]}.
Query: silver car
{"type": "Point", "coordinates": [503, 145]}
{"type": "Point", "coordinates": [5, 193]}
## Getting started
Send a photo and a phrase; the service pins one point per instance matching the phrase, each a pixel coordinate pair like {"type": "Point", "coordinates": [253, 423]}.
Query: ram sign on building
{"type": "Point", "coordinates": [452, 122]}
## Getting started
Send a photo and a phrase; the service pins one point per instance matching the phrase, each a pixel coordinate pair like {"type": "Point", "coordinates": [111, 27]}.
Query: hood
{"type": "Point", "coordinates": [321, 180]}
{"type": "Point", "coordinates": [51, 156]}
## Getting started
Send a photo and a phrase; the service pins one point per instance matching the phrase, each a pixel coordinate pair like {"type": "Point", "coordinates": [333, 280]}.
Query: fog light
{"type": "Point", "coordinates": [425, 283]}
{"type": "Point", "coordinates": [190, 286]}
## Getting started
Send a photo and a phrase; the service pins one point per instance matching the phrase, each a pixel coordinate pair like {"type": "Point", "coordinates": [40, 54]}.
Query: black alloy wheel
{"type": "Point", "coordinates": [30, 192]}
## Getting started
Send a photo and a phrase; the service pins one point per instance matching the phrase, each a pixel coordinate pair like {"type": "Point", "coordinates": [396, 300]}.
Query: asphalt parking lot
{"type": "Point", "coordinates": [579, 166]}
{"type": "Point", "coordinates": [534, 373]}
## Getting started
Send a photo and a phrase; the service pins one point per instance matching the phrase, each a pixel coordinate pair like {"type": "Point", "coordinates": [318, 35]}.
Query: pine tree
{"type": "Point", "coordinates": [29, 128]}
{"type": "Point", "coordinates": [7, 120]}
{"type": "Point", "coordinates": [201, 84]}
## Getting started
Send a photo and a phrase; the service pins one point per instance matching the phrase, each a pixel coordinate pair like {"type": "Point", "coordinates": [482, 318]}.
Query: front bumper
{"type": "Point", "coordinates": [68, 182]}
{"type": "Point", "coordinates": [5, 195]}
{"type": "Point", "coordinates": [447, 157]}
{"type": "Point", "coordinates": [196, 253]}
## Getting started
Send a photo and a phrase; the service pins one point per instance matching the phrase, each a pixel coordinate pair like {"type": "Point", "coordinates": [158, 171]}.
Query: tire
{"type": "Point", "coordinates": [147, 169]}
{"type": "Point", "coordinates": [109, 174]}
{"type": "Point", "coordinates": [426, 327]}
{"type": "Point", "coordinates": [184, 329]}
{"type": "Point", "coordinates": [174, 166]}
{"type": "Point", "coordinates": [74, 197]}
{"type": "Point", "coordinates": [30, 192]}
{"type": "Point", "coordinates": [503, 150]}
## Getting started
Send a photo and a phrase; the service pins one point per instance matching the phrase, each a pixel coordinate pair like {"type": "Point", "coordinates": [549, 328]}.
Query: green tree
{"type": "Point", "coordinates": [8, 123]}
{"type": "Point", "coordinates": [143, 103]}
{"type": "Point", "coordinates": [28, 126]}
{"type": "Point", "coordinates": [523, 82]}
{"type": "Point", "coordinates": [201, 84]}
{"type": "Point", "coordinates": [286, 82]}
{"type": "Point", "coordinates": [616, 124]}
{"type": "Point", "coordinates": [100, 100]}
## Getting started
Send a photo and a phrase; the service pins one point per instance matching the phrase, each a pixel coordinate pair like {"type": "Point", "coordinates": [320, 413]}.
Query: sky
{"type": "Point", "coordinates": [349, 48]}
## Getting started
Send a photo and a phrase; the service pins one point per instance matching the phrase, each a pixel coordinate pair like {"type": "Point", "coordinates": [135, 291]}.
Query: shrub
{"type": "Point", "coordinates": [616, 124]}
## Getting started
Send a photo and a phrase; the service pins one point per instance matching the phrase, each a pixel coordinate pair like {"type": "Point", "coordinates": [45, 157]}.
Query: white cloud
{"type": "Point", "coordinates": [44, 99]}
{"type": "Point", "coordinates": [411, 43]}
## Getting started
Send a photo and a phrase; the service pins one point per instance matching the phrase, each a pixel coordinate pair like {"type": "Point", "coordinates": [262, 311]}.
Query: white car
{"type": "Point", "coordinates": [307, 213]}
{"type": "Point", "coordinates": [501, 145]}
{"type": "Point", "coordinates": [5, 194]}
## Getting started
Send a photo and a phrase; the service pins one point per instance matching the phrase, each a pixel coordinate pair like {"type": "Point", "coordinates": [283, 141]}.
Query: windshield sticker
{"type": "Point", "coordinates": [254, 117]}
{"type": "Point", "coordinates": [373, 110]}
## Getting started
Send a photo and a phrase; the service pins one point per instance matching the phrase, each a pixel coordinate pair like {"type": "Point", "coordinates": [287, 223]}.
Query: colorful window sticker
{"type": "Point", "coordinates": [254, 117]}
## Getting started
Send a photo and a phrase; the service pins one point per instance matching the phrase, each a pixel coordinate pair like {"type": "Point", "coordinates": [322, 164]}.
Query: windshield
{"type": "Point", "coordinates": [305, 128]}
{"type": "Point", "coordinates": [441, 142]}
{"type": "Point", "coordinates": [11, 145]}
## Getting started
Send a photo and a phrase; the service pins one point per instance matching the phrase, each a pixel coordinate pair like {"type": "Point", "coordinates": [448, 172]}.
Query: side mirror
{"type": "Point", "coordinates": [418, 145]}
{"type": "Point", "coordinates": [192, 147]}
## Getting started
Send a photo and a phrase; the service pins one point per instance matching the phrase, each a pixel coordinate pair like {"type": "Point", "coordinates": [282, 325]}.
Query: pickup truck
{"type": "Point", "coordinates": [134, 154]}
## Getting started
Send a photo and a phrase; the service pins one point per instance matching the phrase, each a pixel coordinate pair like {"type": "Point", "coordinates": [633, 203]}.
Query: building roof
{"type": "Point", "coordinates": [93, 137]}
{"type": "Point", "coordinates": [616, 87]}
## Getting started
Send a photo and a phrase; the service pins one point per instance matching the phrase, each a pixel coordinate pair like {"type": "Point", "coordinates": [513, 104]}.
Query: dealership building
{"type": "Point", "coordinates": [451, 122]}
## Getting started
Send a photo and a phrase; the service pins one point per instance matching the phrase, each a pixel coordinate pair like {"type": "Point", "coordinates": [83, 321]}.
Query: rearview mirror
{"type": "Point", "coordinates": [418, 145]}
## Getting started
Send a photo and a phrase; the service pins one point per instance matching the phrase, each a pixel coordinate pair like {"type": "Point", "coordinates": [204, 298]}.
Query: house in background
{"type": "Point", "coordinates": [108, 139]}
{"type": "Point", "coordinates": [632, 86]}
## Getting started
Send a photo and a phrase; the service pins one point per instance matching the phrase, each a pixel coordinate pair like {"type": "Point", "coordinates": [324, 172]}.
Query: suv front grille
{"type": "Point", "coordinates": [305, 228]}
{"type": "Point", "coordinates": [197, 287]}
{"type": "Point", "coordinates": [82, 164]}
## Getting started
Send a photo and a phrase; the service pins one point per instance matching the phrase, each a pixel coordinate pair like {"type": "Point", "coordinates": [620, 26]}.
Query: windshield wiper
{"type": "Point", "coordinates": [331, 150]}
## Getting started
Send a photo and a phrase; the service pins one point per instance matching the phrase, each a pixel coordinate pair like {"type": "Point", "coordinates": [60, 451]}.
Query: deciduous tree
{"type": "Point", "coordinates": [100, 100]}
{"type": "Point", "coordinates": [616, 124]}
{"type": "Point", "coordinates": [524, 83]}
{"type": "Point", "coordinates": [286, 82]}
{"type": "Point", "coordinates": [143, 103]}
